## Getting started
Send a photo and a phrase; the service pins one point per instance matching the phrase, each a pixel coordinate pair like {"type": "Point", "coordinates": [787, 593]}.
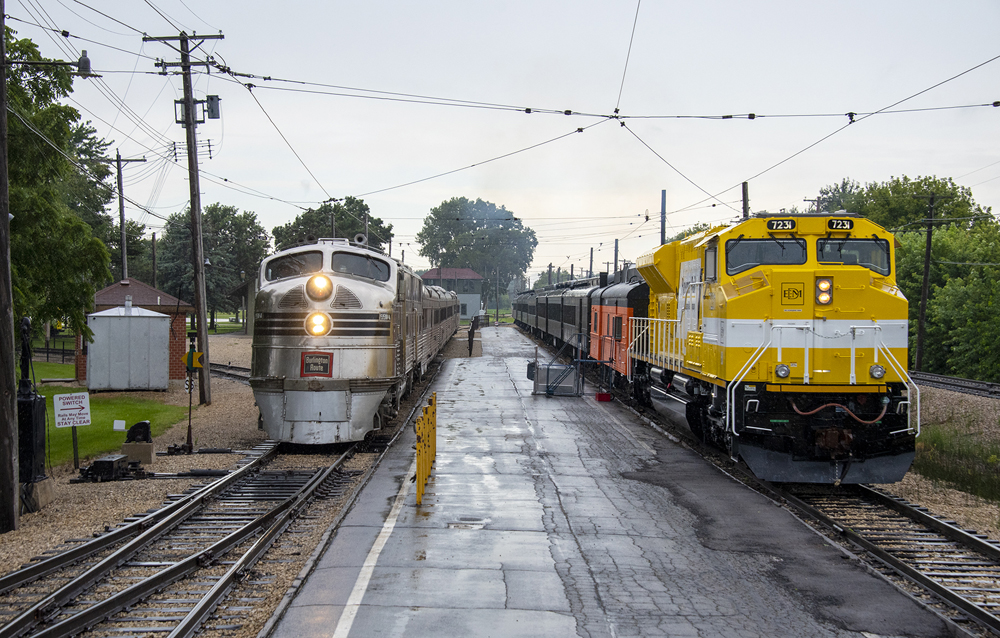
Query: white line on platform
{"type": "Point", "coordinates": [361, 585]}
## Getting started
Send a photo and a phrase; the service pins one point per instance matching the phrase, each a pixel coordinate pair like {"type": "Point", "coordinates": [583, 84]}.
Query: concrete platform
{"type": "Point", "coordinates": [549, 516]}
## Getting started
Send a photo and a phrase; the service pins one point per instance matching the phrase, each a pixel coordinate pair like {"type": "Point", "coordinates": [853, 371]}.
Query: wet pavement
{"type": "Point", "coordinates": [559, 516]}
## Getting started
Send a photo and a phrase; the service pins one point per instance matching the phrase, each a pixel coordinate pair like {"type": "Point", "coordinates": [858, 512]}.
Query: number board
{"type": "Point", "coordinates": [840, 224]}
{"type": "Point", "coordinates": [317, 364]}
{"type": "Point", "coordinates": [781, 224]}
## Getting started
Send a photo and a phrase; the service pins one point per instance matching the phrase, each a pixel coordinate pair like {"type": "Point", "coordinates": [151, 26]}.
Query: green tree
{"type": "Point", "coordinates": [350, 219]}
{"type": "Point", "coordinates": [56, 262]}
{"type": "Point", "coordinates": [233, 242]}
{"type": "Point", "coordinates": [489, 239]}
{"type": "Point", "coordinates": [902, 202]}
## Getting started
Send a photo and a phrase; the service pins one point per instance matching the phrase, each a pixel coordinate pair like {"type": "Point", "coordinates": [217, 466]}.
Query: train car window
{"type": "Point", "coordinates": [569, 315]}
{"type": "Point", "coordinates": [870, 253]}
{"type": "Point", "coordinates": [618, 328]}
{"type": "Point", "coordinates": [294, 265]}
{"type": "Point", "coordinates": [711, 264]}
{"type": "Point", "coordinates": [744, 254]}
{"type": "Point", "coordinates": [596, 326]}
{"type": "Point", "coordinates": [361, 266]}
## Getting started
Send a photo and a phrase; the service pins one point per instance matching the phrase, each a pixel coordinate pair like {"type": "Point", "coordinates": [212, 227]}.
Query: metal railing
{"type": "Point", "coordinates": [656, 341]}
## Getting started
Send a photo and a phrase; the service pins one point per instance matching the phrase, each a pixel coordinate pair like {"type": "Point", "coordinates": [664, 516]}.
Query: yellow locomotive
{"type": "Point", "coordinates": [786, 339]}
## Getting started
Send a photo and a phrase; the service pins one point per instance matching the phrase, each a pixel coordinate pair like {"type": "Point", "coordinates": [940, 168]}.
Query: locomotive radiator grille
{"type": "Point", "coordinates": [344, 324]}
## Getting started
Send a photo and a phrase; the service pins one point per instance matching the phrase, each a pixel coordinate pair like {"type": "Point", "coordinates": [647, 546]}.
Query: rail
{"type": "Point", "coordinates": [960, 567]}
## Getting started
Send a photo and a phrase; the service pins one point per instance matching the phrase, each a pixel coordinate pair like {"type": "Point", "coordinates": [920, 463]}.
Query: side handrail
{"type": "Point", "coordinates": [910, 385]}
{"type": "Point", "coordinates": [744, 371]}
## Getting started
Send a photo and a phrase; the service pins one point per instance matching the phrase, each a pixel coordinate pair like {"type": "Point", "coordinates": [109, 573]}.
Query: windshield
{"type": "Point", "coordinates": [361, 266]}
{"type": "Point", "coordinates": [744, 254]}
{"type": "Point", "coordinates": [870, 253]}
{"type": "Point", "coordinates": [294, 265]}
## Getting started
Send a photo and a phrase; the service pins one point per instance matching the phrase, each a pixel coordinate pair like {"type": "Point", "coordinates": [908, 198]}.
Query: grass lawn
{"type": "Point", "coordinates": [99, 437]}
{"type": "Point", "coordinates": [950, 452]}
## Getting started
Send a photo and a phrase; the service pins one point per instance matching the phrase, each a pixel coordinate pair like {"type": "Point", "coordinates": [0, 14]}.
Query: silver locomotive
{"type": "Point", "coordinates": [340, 333]}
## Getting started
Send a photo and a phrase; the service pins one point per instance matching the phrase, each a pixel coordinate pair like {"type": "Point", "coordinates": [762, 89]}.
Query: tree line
{"type": "Point", "coordinates": [65, 246]}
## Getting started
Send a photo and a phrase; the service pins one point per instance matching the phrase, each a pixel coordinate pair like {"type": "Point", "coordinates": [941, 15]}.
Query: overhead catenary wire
{"type": "Point", "coordinates": [628, 55]}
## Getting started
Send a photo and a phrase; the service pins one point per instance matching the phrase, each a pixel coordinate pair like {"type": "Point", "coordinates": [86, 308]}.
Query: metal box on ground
{"type": "Point", "coordinates": [557, 380]}
{"type": "Point", "coordinates": [131, 350]}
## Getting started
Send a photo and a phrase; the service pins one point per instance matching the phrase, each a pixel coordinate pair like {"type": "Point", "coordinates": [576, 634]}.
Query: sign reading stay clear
{"type": "Point", "coordinates": [72, 409]}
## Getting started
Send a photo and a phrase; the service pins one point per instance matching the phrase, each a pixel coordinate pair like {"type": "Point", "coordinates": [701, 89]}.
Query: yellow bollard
{"type": "Point", "coordinates": [426, 429]}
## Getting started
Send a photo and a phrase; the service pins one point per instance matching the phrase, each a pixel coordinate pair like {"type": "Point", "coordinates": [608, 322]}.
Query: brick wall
{"type": "Point", "coordinates": [178, 346]}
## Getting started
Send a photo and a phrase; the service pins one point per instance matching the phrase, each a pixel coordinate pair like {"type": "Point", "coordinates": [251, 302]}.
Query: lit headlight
{"type": "Point", "coordinates": [318, 324]}
{"type": "Point", "coordinates": [319, 287]}
{"type": "Point", "coordinates": [876, 371]}
{"type": "Point", "coordinates": [782, 371]}
{"type": "Point", "coordinates": [824, 291]}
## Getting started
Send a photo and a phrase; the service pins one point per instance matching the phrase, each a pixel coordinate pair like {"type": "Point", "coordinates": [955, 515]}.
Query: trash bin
{"type": "Point", "coordinates": [531, 370]}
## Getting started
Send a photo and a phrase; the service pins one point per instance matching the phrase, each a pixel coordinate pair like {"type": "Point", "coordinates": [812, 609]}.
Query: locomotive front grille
{"type": "Point", "coordinates": [344, 324]}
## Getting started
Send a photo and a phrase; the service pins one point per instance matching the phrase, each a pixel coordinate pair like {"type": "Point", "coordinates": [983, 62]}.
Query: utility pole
{"type": "Point", "coordinates": [590, 271]}
{"type": "Point", "coordinates": [10, 496]}
{"type": "Point", "coordinates": [663, 216]}
{"type": "Point", "coordinates": [121, 211]}
{"type": "Point", "coordinates": [550, 276]}
{"type": "Point", "coordinates": [925, 290]}
{"type": "Point", "coordinates": [201, 304]}
{"type": "Point", "coordinates": [746, 200]}
{"type": "Point", "coordinates": [616, 255]}
{"type": "Point", "coordinates": [814, 202]}
{"type": "Point", "coordinates": [154, 260]}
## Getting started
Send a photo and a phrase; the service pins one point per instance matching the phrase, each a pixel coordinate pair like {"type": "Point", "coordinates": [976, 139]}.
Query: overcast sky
{"type": "Point", "coordinates": [305, 135]}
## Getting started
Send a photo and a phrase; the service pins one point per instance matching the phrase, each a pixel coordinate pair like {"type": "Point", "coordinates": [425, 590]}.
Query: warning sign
{"type": "Point", "coordinates": [72, 409]}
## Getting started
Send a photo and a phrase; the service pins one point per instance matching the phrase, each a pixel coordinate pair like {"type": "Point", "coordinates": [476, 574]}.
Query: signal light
{"type": "Point", "coordinates": [824, 291]}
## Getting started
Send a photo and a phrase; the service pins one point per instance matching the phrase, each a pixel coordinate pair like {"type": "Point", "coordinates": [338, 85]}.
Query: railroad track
{"type": "Point", "coordinates": [956, 384]}
{"type": "Point", "coordinates": [959, 566]}
{"type": "Point", "coordinates": [236, 373]}
{"type": "Point", "coordinates": [171, 568]}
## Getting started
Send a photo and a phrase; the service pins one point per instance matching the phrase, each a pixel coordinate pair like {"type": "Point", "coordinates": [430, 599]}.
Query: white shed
{"type": "Point", "coordinates": [130, 349]}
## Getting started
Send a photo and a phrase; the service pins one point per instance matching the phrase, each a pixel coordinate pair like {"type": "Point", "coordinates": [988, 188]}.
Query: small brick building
{"type": "Point", "coordinates": [144, 296]}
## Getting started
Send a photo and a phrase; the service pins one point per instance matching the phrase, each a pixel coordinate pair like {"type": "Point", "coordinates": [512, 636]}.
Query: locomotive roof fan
{"type": "Point", "coordinates": [360, 239]}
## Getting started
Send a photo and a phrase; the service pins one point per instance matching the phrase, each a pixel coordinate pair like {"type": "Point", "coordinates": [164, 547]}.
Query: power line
{"type": "Point", "coordinates": [492, 159]}
{"type": "Point", "coordinates": [628, 55]}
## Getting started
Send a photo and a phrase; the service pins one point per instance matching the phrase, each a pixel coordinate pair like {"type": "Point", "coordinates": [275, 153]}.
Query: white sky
{"type": "Point", "coordinates": [707, 58]}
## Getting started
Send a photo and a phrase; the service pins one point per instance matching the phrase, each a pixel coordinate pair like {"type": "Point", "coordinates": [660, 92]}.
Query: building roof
{"type": "Point", "coordinates": [451, 273]}
{"type": "Point", "coordinates": [143, 296]}
{"type": "Point", "coordinates": [123, 311]}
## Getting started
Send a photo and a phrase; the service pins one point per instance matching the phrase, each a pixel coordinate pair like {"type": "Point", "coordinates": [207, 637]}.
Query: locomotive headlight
{"type": "Point", "coordinates": [876, 371]}
{"type": "Point", "coordinates": [318, 324]}
{"type": "Point", "coordinates": [782, 371]}
{"type": "Point", "coordinates": [824, 291]}
{"type": "Point", "coordinates": [319, 287]}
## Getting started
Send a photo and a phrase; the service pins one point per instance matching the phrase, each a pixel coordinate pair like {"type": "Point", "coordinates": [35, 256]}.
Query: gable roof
{"type": "Point", "coordinates": [451, 273]}
{"type": "Point", "coordinates": [143, 296]}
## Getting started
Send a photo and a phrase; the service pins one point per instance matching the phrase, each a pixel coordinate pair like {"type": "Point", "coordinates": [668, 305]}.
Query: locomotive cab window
{"type": "Point", "coordinates": [870, 253]}
{"type": "Point", "coordinates": [744, 254]}
{"type": "Point", "coordinates": [294, 265]}
{"type": "Point", "coordinates": [617, 328]}
{"type": "Point", "coordinates": [360, 266]}
{"type": "Point", "coordinates": [712, 264]}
